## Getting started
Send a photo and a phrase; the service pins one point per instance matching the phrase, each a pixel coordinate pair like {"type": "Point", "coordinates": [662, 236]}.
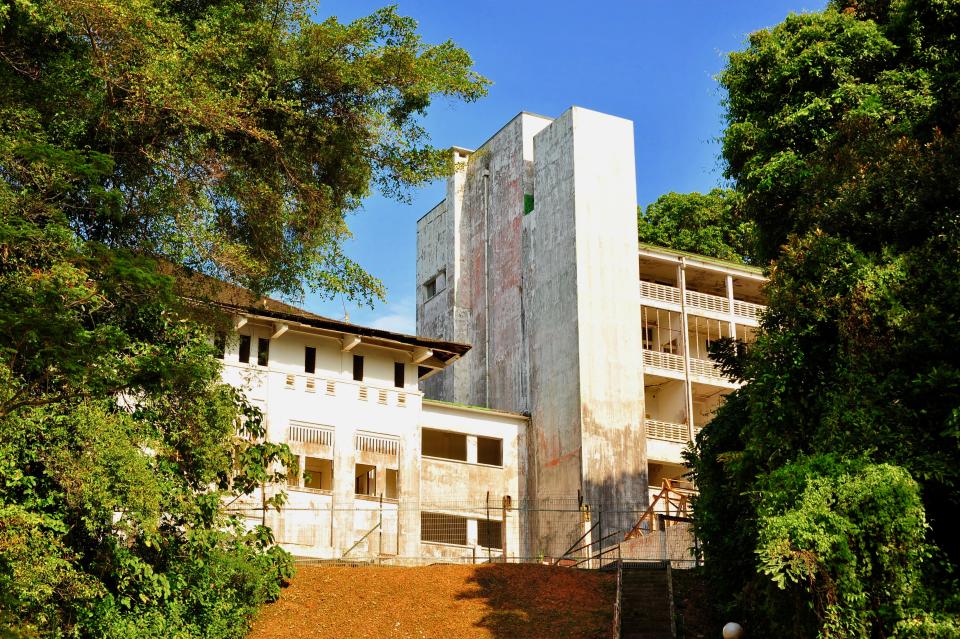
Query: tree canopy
{"type": "Point", "coordinates": [707, 224]}
{"type": "Point", "coordinates": [840, 453]}
{"type": "Point", "coordinates": [143, 138]}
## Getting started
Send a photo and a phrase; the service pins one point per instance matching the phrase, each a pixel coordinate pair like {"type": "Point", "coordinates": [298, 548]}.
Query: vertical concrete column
{"type": "Point", "coordinates": [472, 535]}
{"type": "Point", "coordinates": [344, 463]}
{"type": "Point", "coordinates": [685, 323]}
{"type": "Point", "coordinates": [472, 449]}
{"type": "Point", "coordinates": [733, 329]}
{"type": "Point", "coordinates": [408, 485]}
{"type": "Point", "coordinates": [381, 479]}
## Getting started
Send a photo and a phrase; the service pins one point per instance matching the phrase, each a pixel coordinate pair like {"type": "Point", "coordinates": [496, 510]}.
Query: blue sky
{"type": "Point", "coordinates": [650, 61]}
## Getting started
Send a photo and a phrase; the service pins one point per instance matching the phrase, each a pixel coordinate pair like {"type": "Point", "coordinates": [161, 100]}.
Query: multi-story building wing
{"type": "Point", "coordinates": [380, 467]}
{"type": "Point", "coordinates": [688, 301]}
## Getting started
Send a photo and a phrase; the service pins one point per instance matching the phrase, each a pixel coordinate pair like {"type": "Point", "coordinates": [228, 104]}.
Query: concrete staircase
{"type": "Point", "coordinates": [645, 608]}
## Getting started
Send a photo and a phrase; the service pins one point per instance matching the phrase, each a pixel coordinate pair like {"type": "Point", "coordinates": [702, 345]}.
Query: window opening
{"type": "Point", "coordinates": [263, 352]}
{"type": "Point", "coordinates": [438, 443]}
{"type": "Point", "coordinates": [245, 349]}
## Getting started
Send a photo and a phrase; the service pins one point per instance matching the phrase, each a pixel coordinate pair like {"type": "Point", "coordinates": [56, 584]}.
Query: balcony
{"type": "Point", "coordinates": [674, 364]}
{"type": "Point", "coordinates": [696, 301]}
{"type": "Point", "coordinates": [667, 431]}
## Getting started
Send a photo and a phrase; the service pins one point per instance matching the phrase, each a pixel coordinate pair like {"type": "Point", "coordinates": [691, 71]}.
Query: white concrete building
{"type": "Point", "coordinates": [383, 472]}
{"type": "Point", "coordinates": [532, 258]}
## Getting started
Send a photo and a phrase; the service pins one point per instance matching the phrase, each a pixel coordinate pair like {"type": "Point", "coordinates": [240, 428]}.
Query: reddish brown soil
{"type": "Point", "coordinates": [456, 602]}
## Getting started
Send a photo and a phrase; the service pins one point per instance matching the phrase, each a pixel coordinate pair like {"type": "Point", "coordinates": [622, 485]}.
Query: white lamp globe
{"type": "Point", "coordinates": [733, 630]}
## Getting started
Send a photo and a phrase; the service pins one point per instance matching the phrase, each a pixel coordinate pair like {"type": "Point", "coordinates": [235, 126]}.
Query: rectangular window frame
{"type": "Point", "coordinates": [399, 374]}
{"type": "Point", "coordinates": [244, 351]}
{"type": "Point", "coordinates": [499, 457]}
{"type": "Point", "coordinates": [441, 528]}
{"type": "Point", "coordinates": [358, 368]}
{"type": "Point", "coordinates": [263, 351]}
{"type": "Point", "coordinates": [309, 360]}
{"type": "Point", "coordinates": [434, 453]}
{"type": "Point", "coordinates": [490, 533]}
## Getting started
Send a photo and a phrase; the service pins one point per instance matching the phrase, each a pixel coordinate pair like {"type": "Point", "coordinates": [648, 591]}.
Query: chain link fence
{"type": "Point", "coordinates": [561, 531]}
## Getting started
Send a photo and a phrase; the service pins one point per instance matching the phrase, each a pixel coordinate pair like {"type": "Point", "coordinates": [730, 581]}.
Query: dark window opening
{"type": "Point", "coordinates": [443, 529]}
{"type": "Point", "coordinates": [245, 349]}
{"type": "Point", "coordinates": [438, 443]}
{"type": "Point", "coordinates": [490, 533]}
{"type": "Point", "coordinates": [399, 368]}
{"type": "Point", "coordinates": [490, 451]}
{"type": "Point", "coordinates": [365, 480]}
{"type": "Point", "coordinates": [220, 345]}
{"type": "Point", "coordinates": [309, 360]}
{"type": "Point", "coordinates": [263, 352]}
{"type": "Point", "coordinates": [393, 488]}
{"type": "Point", "coordinates": [358, 368]}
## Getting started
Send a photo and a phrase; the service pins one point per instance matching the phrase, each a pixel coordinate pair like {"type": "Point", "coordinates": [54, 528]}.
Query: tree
{"type": "Point", "coordinates": [842, 140]}
{"type": "Point", "coordinates": [707, 224]}
{"type": "Point", "coordinates": [140, 141]}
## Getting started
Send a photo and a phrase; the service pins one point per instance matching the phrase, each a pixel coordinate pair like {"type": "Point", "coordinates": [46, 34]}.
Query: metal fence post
{"type": "Point", "coordinates": [503, 526]}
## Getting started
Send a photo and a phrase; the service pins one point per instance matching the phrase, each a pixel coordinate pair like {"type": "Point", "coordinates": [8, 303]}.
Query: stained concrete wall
{"type": "Point", "coordinates": [479, 228]}
{"type": "Point", "coordinates": [584, 313]}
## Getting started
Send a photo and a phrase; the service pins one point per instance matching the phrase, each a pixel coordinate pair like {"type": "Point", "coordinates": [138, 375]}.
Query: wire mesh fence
{"type": "Point", "coordinates": [560, 531]}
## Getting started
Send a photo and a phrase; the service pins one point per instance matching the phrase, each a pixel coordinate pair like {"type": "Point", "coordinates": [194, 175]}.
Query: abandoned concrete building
{"type": "Point", "coordinates": [559, 366]}
{"type": "Point", "coordinates": [532, 258]}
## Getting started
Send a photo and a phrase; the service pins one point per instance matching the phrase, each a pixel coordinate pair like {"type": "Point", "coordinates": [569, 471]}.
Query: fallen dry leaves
{"type": "Point", "coordinates": [513, 601]}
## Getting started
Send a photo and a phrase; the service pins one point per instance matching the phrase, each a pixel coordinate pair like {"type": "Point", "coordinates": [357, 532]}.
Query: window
{"type": "Point", "coordinates": [435, 284]}
{"type": "Point", "coordinates": [263, 352]}
{"type": "Point", "coordinates": [490, 533]}
{"type": "Point", "coordinates": [438, 443]}
{"type": "Point", "coordinates": [490, 451]}
{"type": "Point", "coordinates": [393, 488]}
{"type": "Point", "coordinates": [220, 345]}
{"type": "Point", "coordinates": [245, 349]}
{"type": "Point", "coordinates": [318, 473]}
{"type": "Point", "coordinates": [309, 359]}
{"type": "Point", "coordinates": [358, 368]}
{"type": "Point", "coordinates": [365, 480]}
{"type": "Point", "coordinates": [443, 529]}
{"type": "Point", "coordinates": [399, 368]}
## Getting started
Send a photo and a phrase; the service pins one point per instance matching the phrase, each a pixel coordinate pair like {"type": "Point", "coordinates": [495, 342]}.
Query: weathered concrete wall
{"type": "Point", "coordinates": [582, 309]}
{"type": "Point", "coordinates": [480, 225]}
{"type": "Point", "coordinates": [608, 303]}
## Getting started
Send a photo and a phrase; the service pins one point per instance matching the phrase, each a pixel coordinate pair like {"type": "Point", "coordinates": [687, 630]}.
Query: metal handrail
{"type": "Point", "coordinates": [360, 541]}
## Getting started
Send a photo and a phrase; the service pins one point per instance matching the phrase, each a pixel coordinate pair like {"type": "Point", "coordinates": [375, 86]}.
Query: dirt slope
{"type": "Point", "coordinates": [458, 602]}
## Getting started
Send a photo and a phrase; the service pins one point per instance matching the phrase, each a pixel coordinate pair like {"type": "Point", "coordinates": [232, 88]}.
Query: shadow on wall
{"type": "Point", "coordinates": [543, 602]}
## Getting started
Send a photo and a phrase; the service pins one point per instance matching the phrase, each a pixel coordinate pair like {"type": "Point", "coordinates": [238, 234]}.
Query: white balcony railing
{"type": "Point", "coordinates": [667, 431]}
{"type": "Point", "coordinates": [707, 302]}
{"type": "Point", "coordinates": [660, 292]}
{"type": "Point", "coordinates": [666, 361]}
{"type": "Point", "coordinates": [705, 368]}
{"type": "Point", "coordinates": [697, 301]}
{"type": "Point", "coordinates": [747, 309]}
